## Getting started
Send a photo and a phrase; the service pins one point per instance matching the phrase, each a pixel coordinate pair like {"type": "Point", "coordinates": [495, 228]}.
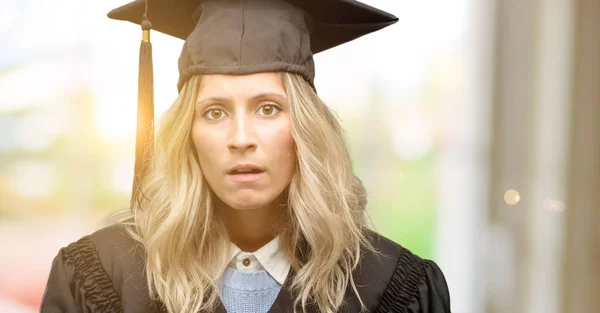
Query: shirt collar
{"type": "Point", "coordinates": [269, 257]}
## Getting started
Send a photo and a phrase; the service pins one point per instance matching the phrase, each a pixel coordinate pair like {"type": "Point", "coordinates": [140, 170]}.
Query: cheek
{"type": "Point", "coordinates": [202, 142]}
{"type": "Point", "coordinates": [284, 148]}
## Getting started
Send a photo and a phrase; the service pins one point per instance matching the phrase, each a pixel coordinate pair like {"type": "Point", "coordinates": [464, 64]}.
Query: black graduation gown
{"type": "Point", "coordinates": [103, 272]}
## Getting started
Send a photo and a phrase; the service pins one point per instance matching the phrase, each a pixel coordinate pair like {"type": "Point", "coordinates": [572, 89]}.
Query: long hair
{"type": "Point", "coordinates": [175, 217]}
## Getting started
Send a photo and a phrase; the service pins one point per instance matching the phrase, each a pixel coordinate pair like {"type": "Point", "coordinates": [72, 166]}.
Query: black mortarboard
{"type": "Point", "coordinates": [242, 37]}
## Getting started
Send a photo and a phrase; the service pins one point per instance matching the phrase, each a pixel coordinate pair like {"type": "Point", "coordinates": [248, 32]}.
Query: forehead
{"type": "Point", "coordinates": [219, 85]}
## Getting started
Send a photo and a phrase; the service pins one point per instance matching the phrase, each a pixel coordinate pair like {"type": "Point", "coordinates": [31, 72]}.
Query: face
{"type": "Point", "coordinates": [244, 120]}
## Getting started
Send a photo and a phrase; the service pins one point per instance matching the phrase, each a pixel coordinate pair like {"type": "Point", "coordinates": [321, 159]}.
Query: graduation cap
{"type": "Point", "coordinates": [240, 37]}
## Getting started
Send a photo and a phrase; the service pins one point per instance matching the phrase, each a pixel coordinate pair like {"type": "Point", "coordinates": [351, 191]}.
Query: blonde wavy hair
{"type": "Point", "coordinates": [184, 236]}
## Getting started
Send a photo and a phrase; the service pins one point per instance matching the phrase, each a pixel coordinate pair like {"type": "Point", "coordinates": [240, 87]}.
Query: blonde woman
{"type": "Point", "coordinates": [249, 203]}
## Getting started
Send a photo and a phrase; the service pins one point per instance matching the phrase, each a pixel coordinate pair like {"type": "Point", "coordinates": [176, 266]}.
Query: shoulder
{"type": "Point", "coordinates": [109, 245]}
{"type": "Point", "coordinates": [116, 248]}
{"type": "Point", "coordinates": [401, 281]}
{"type": "Point", "coordinates": [100, 272]}
{"type": "Point", "coordinates": [81, 276]}
{"type": "Point", "coordinates": [391, 257]}
{"type": "Point", "coordinates": [108, 255]}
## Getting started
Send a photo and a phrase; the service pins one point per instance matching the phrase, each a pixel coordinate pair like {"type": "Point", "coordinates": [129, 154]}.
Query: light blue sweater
{"type": "Point", "coordinates": [243, 292]}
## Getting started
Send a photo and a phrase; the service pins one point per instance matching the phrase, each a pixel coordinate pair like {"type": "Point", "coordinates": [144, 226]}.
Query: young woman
{"type": "Point", "coordinates": [250, 203]}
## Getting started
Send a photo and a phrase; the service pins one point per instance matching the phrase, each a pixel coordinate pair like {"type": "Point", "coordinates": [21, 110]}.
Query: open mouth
{"type": "Point", "coordinates": [242, 172]}
{"type": "Point", "coordinates": [246, 176]}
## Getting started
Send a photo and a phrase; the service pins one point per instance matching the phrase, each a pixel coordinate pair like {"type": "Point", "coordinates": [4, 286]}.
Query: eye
{"type": "Point", "coordinates": [217, 114]}
{"type": "Point", "coordinates": [268, 109]}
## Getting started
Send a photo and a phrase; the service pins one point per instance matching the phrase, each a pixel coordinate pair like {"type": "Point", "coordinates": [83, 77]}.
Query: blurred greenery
{"type": "Point", "coordinates": [408, 213]}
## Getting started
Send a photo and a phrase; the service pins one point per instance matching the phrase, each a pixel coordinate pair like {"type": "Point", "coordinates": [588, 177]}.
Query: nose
{"type": "Point", "coordinates": [242, 134]}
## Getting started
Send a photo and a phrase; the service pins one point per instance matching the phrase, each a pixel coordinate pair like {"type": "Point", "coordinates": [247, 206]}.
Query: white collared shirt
{"type": "Point", "coordinates": [269, 257]}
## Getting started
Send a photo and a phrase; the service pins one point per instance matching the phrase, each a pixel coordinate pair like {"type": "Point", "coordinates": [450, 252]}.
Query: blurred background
{"type": "Point", "coordinates": [474, 124]}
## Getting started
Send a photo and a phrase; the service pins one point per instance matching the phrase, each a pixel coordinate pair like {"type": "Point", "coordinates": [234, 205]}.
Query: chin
{"type": "Point", "coordinates": [243, 202]}
{"type": "Point", "coordinates": [245, 207]}
{"type": "Point", "coordinates": [236, 205]}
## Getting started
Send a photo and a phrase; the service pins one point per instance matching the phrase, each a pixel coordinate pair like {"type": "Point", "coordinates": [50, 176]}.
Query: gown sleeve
{"type": "Point", "coordinates": [78, 283]}
{"type": "Point", "coordinates": [58, 296]}
{"type": "Point", "coordinates": [416, 286]}
{"type": "Point", "coordinates": [434, 296]}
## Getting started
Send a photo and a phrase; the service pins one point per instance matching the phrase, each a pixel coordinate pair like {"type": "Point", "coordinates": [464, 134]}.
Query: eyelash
{"type": "Point", "coordinates": [269, 104]}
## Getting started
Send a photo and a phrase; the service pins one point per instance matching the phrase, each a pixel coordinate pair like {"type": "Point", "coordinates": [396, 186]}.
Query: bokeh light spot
{"type": "Point", "coordinates": [554, 205]}
{"type": "Point", "coordinates": [512, 197]}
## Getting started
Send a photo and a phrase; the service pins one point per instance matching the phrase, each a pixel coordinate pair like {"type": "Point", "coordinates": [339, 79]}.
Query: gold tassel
{"type": "Point", "coordinates": [144, 143]}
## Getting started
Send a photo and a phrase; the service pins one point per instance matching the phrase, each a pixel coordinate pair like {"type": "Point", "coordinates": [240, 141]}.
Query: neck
{"type": "Point", "coordinates": [252, 229]}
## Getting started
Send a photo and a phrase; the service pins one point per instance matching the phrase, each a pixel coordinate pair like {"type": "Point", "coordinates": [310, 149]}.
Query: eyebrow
{"type": "Point", "coordinates": [258, 97]}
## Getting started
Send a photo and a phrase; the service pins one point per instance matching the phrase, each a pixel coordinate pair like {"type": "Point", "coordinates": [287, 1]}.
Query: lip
{"type": "Point", "coordinates": [246, 178]}
{"type": "Point", "coordinates": [245, 166]}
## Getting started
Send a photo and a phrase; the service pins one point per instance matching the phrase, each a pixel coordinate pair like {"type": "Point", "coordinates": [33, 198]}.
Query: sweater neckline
{"type": "Point", "coordinates": [248, 281]}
